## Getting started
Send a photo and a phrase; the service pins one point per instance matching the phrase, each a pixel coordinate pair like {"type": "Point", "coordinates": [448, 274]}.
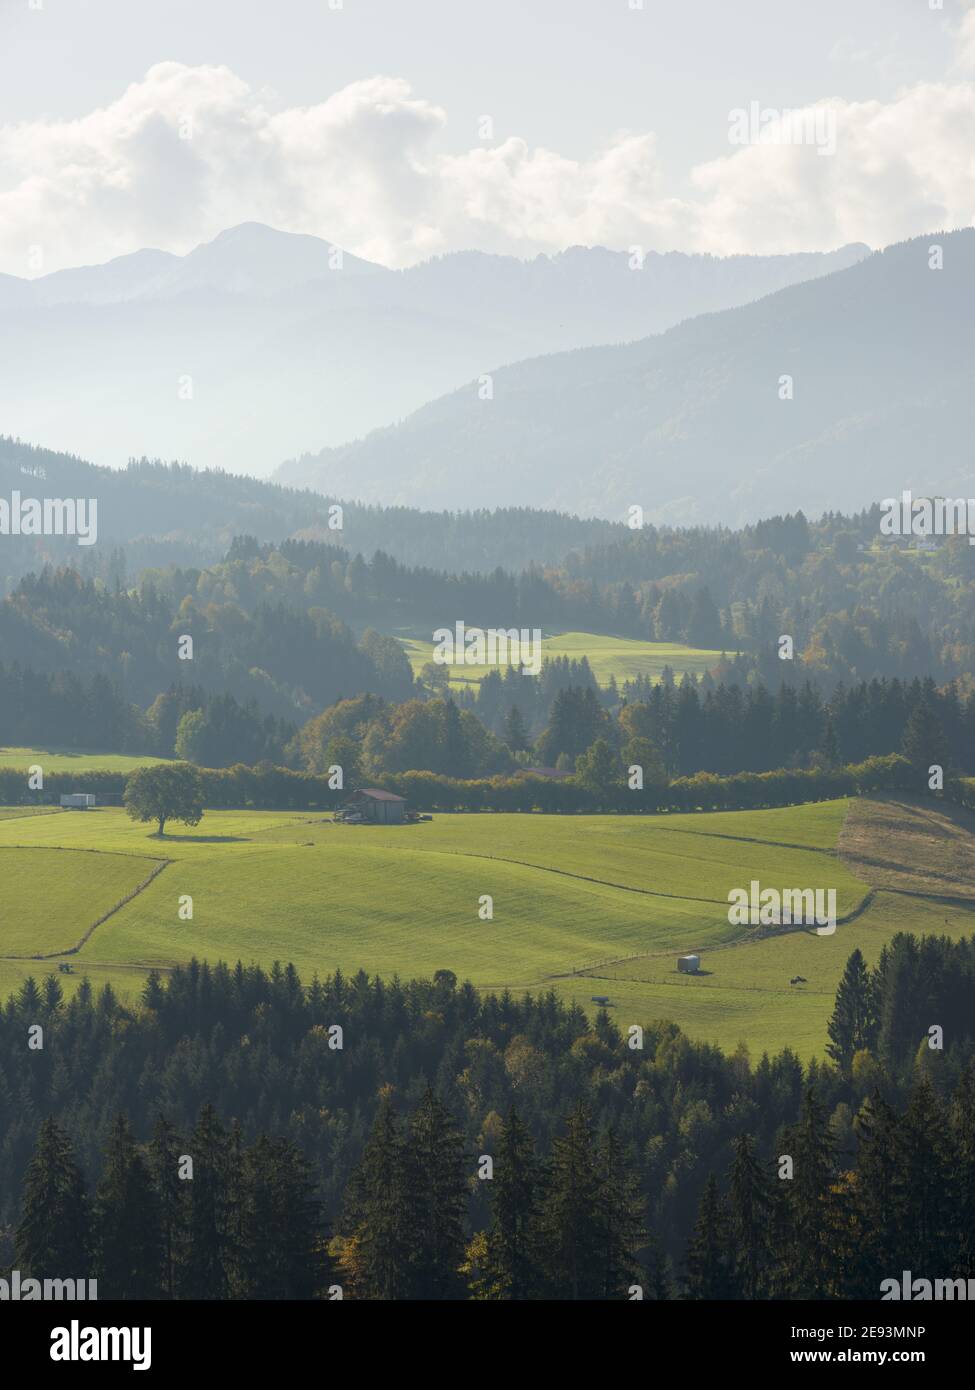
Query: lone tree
{"type": "Point", "coordinates": [169, 791]}
{"type": "Point", "coordinates": [853, 1025]}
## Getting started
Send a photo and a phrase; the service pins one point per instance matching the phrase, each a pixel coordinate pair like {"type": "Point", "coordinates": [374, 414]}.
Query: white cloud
{"type": "Point", "coordinates": [363, 170]}
{"type": "Point", "coordinates": [187, 152]}
{"type": "Point", "coordinates": [900, 168]}
{"type": "Point", "coordinates": [510, 197]}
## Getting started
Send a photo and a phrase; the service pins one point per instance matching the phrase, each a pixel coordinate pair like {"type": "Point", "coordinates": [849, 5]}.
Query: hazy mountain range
{"type": "Point", "coordinates": [831, 393]}
{"type": "Point", "coordinates": [697, 424]}
{"type": "Point", "coordinates": [257, 346]}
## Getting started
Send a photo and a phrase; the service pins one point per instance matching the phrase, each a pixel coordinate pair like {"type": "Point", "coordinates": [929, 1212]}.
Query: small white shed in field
{"type": "Point", "coordinates": [689, 965]}
{"type": "Point", "coordinates": [78, 801]}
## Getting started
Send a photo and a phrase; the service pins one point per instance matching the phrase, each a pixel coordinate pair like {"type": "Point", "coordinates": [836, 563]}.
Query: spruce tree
{"type": "Point", "coordinates": [807, 1267]}
{"type": "Point", "coordinates": [509, 1256]}
{"type": "Point", "coordinates": [926, 1219]}
{"type": "Point", "coordinates": [898, 1023]}
{"type": "Point", "coordinates": [171, 1199]}
{"type": "Point", "coordinates": [301, 1236]}
{"type": "Point", "coordinates": [127, 1240]}
{"type": "Point", "coordinates": [437, 1198]}
{"type": "Point", "coordinates": [749, 1202]}
{"type": "Point", "coordinates": [572, 1229]}
{"type": "Point", "coordinates": [710, 1272]}
{"type": "Point", "coordinates": [281, 1247]}
{"type": "Point", "coordinates": [515, 730]}
{"type": "Point", "coordinates": [53, 1239]}
{"type": "Point", "coordinates": [877, 1238]}
{"type": "Point", "coordinates": [53, 996]}
{"type": "Point", "coordinates": [621, 1215]}
{"type": "Point", "coordinates": [204, 1271]}
{"type": "Point", "coordinates": [853, 1025]}
{"type": "Point", "coordinates": [924, 744]}
{"type": "Point", "coordinates": [455, 758]}
{"type": "Point", "coordinates": [829, 744]}
{"type": "Point", "coordinates": [234, 1202]}
{"type": "Point", "coordinates": [378, 1255]}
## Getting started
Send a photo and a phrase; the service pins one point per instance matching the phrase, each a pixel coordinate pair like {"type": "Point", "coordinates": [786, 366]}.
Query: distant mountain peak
{"type": "Point", "coordinates": [250, 258]}
{"type": "Point", "coordinates": [244, 229]}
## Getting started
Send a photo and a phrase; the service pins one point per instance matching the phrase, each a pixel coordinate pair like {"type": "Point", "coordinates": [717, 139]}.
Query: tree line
{"type": "Point", "coordinates": [600, 785]}
{"type": "Point", "coordinates": [277, 624]}
{"type": "Point", "coordinates": [672, 730]}
{"type": "Point", "coordinates": [678, 730]}
{"type": "Point", "coordinates": [459, 1145]}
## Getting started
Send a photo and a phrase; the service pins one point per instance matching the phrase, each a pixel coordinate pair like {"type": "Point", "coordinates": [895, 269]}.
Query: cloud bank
{"type": "Point", "coordinates": [188, 151]}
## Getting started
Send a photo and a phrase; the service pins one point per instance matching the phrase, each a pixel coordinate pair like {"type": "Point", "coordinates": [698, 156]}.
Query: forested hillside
{"type": "Point", "coordinates": [157, 514]}
{"type": "Point", "coordinates": [613, 1165]}
{"type": "Point", "coordinates": [282, 632]}
{"type": "Point", "coordinates": [286, 659]}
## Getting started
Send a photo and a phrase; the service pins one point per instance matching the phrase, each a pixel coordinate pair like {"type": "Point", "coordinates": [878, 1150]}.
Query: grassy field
{"type": "Point", "coordinates": [50, 897]}
{"type": "Point", "coordinates": [621, 657]}
{"type": "Point", "coordinates": [70, 760]}
{"type": "Point", "coordinates": [588, 905]}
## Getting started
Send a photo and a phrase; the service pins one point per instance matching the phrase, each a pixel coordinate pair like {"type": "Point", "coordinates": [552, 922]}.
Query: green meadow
{"type": "Point", "coordinates": [587, 905]}
{"type": "Point", "coordinates": [622, 657]}
{"type": "Point", "coordinates": [70, 760]}
{"type": "Point", "coordinates": [51, 896]}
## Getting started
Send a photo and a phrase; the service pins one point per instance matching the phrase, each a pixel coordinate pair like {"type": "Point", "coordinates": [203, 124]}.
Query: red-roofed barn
{"type": "Point", "coordinates": [378, 807]}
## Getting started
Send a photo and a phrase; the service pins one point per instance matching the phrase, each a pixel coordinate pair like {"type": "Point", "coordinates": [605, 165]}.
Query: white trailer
{"type": "Point", "coordinates": [78, 801]}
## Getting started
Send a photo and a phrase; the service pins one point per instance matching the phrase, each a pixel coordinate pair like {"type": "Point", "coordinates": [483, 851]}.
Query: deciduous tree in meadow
{"type": "Point", "coordinates": [168, 791]}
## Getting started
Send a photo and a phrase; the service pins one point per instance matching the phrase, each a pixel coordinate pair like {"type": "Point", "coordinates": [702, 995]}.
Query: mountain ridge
{"type": "Point", "coordinates": [689, 424]}
{"type": "Point", "coordinates": [232, 357]}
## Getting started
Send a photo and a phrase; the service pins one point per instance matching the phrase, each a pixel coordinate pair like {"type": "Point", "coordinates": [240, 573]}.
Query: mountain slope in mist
{"type": "Point", "coordinates": [696, 425]}
{"type": "Point", "coordinates": [260, 345]}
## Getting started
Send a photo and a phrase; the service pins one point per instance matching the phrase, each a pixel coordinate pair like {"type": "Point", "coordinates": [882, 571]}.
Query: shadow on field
{"type": "Point", "coordinates": [202, 839]}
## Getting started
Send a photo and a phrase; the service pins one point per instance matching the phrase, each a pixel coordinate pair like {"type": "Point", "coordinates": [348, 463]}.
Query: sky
{"type": "Point", "coordinates": [401, 129]}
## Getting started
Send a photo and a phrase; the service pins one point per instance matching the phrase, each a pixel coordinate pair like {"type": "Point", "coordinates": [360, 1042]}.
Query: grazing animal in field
{"type": "Point", "coordinates": [798, 980]}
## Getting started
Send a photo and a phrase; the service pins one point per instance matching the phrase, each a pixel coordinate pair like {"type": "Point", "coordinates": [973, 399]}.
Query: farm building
{"type": "Point", "coordinates": [78, 801]}
{"type": "Point", "coordinates": [378, 807]}
{"type": "Point", "coordinates": [689, 965]}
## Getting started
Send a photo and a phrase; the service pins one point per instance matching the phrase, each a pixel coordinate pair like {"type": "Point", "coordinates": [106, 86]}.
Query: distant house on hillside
{"type": "Point", "coordinates": [377, 807]}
